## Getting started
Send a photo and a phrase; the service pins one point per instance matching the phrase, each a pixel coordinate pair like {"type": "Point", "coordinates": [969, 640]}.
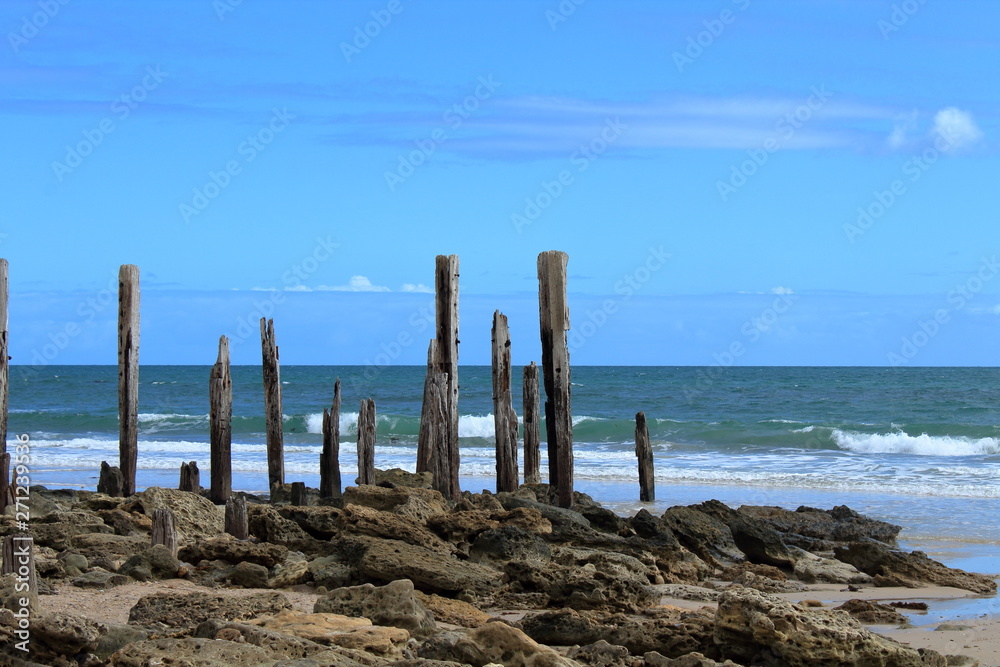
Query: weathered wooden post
{"type": "Point", "coordinates": [236, 517]}
{"type": "Point", "coordinates": [190, 477]}
{"type": "Point", "coordinates": [111, 480]}
{"type": "Point", "coordinates": [329, 458]}
{"type": "Point", "coordinates": [554, 323]}
{"type": "Point", "coordinates": [128, 374]}
{"type": "Point", "coordinates": [163, 531]}
{"type": "Point", "coordinates": [366, 442]}
{"type": "Point", "coordinates": [425, 441]}
{"type": "Point", "coordinates": [529, 394]}
{"type": "Point", "coordinates": [504, 417]}
{"type": "Point", "coordinates": [17, 556]}
{"type": "Point", "coordinates": [643, 451]}
{"type": "Point", "coordinates": [220, 400]}
{"type": "Point", "coordinates": [272, 405]}
{"type": "Point", "coordinates": [432, 442]}
{"type": "Point", "coordinates": [446, 356]}
{"type": "Point", "coordinates": [298, 495]}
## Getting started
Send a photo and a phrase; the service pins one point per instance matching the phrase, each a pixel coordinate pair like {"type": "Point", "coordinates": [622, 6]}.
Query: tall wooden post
{"type": "Point", "coordinates": [425, 440]}
{"type": "Point", "coordinates": [432, 441]}
{"type": "Point", "coordinates": [643, 451]}
{"type": "Point", "coordinates": [190, 477]}
{"type": "Point", "coordinates": [329, 458]}
{"type": "Point", "coordinates": [366, 442]}
{"type": "Point", "coordinates": [504, 417]}
{"type": "Point", "coordinates": [4, 387]}
{"type": "Point", "coordinates": [554, 323]}
{"type": "Point", "coordinates": [128, 374]}
{"type": "Point", "coordinates": [236, 517]}
{"type": "Point", "coordinates": [220, 400]}
{"type": "Point", "coordinates": [446, 356]}
{"type": "Point", "coordinates": [529, 394]}
{"type": "Point", "coordinates": [164, 531]}
{"type": "Point", "coordinates": [272, 405]}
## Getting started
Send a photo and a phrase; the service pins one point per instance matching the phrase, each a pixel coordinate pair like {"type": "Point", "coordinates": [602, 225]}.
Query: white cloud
{"type": "Point", "coordinates": [957, 127]}
{"type": "Point", "coordinates": [356, 284]}
{"type": "Point", "coordinates": [781, 290]}
{"type": "Point", "coordinates": [903, 126]}
{"type": "Point", "coordinates": [419, 288]}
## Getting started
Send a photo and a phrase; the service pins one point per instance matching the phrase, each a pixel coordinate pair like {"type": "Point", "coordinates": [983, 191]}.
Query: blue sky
{"type": "Point", "coordinates": [735, 181]}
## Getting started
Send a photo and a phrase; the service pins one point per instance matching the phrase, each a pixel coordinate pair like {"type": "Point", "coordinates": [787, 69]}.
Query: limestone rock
{"type": "Point", "coordinates": [58, 528]}
{"type": "Point", "coordinates": [508, 542]}
{"type": "Point", "coordinates": [100, 579]}
{"type": "Point", "coordinates": [195, 517]}
{"type": "Point", "coordinates": [266, 524]}
{"type": "Point", "coordinates": [331, 572]}
{"type": "Point", "coordinates": [294, 571]}
{"type": "Point", "coordinates": [812, 569]}
{"type": "Point", "coordinates": [361, 520]}
{"type": "Point", "coordinates": [601, 654]}
{"type": "Point", "coordinates": [493, 643]}
{"type": "Point", "coordinates": [753, 627]}
{"type": "Point", "coordinates": [705, 536]}
{"type": "Point", "coordinates": [97, 546]}
{"type": "Point", "coordinates": [394, 604]}
{"type": "Point", "coordinates": [654, 659]}
{"type": "Point", "coordinates": [397, 477]}
{"type": "Point", "coordinates": [579, 586]}
{"type": "Point", "coordinates": [317, 627]}
{"type": "Point", "coordinates": [322, 522]}
{"type": "Point", "coordinates": [872, 613]}
{"type": "Point", "coordinates": [892, 567]}
{"type": "Point", "coordinates": [840, 524]}
{"type": "Point", "coordinates": [249, 575]}
{"type": "Point", "coordinates": [455, 612]}
{"type": "Point", "coordinates": [56, 634]}
{"type": "Point", "coordinates": [232, 550]}
{"type": "Point", "coordinates": [191, 651]}
{"type": "Point", "coordinates": [184, 610]}
{"type": "Point", "coordinates": [116, 637]}
{"type": "Point", "coordinates": [415, 503]}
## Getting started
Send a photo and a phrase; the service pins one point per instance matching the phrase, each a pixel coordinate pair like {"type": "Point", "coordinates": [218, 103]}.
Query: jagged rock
{"type": "Point", "coordinates": [840, 524]}
{"type": "Point", "coordinates": [555, 515]}
{"type": "Point", "coordinates": [654, 659]}
{"type": "Point", "coordinates": [892, 567]}
{"type": "Point", "coordinates": [686, 592]}
{"type": "Point", "coordinates": [294, 571]}
{"type": "Point", "coordinates": [192, 651]}
{"type": "Point", "coordinates": [265, 523]}
{"type": "Point", "coordinates": [379, 640]}
{"type": "Point", "coordinates": [759, 542]}
{"type": "Point", "coordinates": [579, 587]}
{"type": "Point", "coordinates": [486, 501]}
{"type": "Point", "coordinates": [509, 542]}
{"type": "Point", "coordinates": [361, 520]}
{"type": "Point", "coordinates": [58, 634]}
{"type": "Point", "coordinates": [872, 613]}
{"type": "Point", "coordinates": [415, 503]}
{"type": "Point", "coordinates": [249, 575]}
{"type": "Point", "coordinates": [393, 604]}
{"type": "Point", "coordinates": [733, 572]}
{"type": "Point", "coordinates": [753, 627]}
{"type": "Point", "coordinates": [116, 637]}
{"type": "Point", "coordinates": [129, 524]}
{"type": "Point", "coordinates": [703, 535]}
{"type": "Point", "coordinates": [601, 654]}
{"type": "Point", "coordinates": [767, 584]}
{"type": "Point", "coordinates": [185, 610]}
{"type": "Point", "coordinates": [316, 627]}
{"type": "Point", "coordinates": [232, 550]}
{"type": "Point", "coordinates": [98, 547]}
{"type": "Point", "coordinates": [397, 477]}
{"type": "Point", "coordinates": [431, 571]}
{"type": "Point", "coordinates": [493, 643]}
{"type": "Point", "coordinates": [671, 631]}
{"type": "Point", "coordinates": [603, 519]}
{"type": "Point", "coordinates": [322, 523]}
{"type": "Point", "coordinates": [195, 517]}
{"type": "Point", "coordinates": [455, 612]}
{"type": "Point", "coordinates": [285, 645]}
{"type": "Point", "coordinates": [100, 579]}
{"type": "Point", "coordinates": [812, 569]}
{"type": "Point", "coordinates": [57, 529]}
{"type": "Point", "coordinates": [154, 562]}
{"type": "Point", "coordinates": [331, 572]}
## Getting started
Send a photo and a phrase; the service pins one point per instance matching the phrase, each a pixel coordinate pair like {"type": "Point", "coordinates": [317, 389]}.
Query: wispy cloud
{"type": "Point", "coordinates": [419, 288]}
{"type": "Point", "coordinates": [957, 127]}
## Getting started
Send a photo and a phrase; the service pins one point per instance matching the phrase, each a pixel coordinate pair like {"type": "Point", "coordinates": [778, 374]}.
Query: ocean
{"type": "Point", "coordinates": [916, 446]}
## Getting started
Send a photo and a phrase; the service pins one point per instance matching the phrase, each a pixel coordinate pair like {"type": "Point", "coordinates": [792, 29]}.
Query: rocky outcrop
{"type": "Point", "coordinates": [840, 524]}
{"type": "Point", "coordinates": [234, 551]}
{"type": "Point", "coordinates": [673, 632]}
{"type": "Point", "coordinates": [812, 569]}
{"type": "Point", "coordinates": [703, 535]}
{"type": "Point", "coordinates": [892, 567]}
{"type": "Point", "coordinates": [195, 517]}
{"type": "Point", "coordinates": [187, 610]}
{"type": "Point", "coordinates": [872, 613]}
{"type": "Point", "coordinates": [455, 612]}
{"type": "Point", "coordinates": [493, 643]}
{"type": "Point", "coordinates": [756, 628]}
{"type": "Point", "coordinates": [394, 604]}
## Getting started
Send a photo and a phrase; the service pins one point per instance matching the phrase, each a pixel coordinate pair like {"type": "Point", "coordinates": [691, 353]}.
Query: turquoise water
{"type": "Point", "coordinates": [918, 446]}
